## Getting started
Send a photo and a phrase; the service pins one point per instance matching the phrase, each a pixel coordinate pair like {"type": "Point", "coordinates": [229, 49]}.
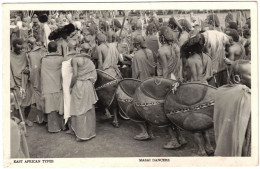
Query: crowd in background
{"type": "Point", "coordinates": [54, 57]}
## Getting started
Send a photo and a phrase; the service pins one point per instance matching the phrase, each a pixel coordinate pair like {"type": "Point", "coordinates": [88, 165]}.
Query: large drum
{"type": "Point", "coordinates": [149, 100]}
{"type": "Point", "coordinates": [124, 95]}
{"type": "Point", "coordinates": [191, 107]}
{"type": "Point", "coordinates": [105, 86]}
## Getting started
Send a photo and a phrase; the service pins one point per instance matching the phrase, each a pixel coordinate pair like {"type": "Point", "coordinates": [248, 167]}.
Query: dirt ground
{"type": "Point", "coordinates": [109, 142]}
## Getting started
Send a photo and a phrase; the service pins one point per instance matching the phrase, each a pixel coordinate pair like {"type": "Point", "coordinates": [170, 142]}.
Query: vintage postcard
{"type": "Point", "coordinates": [142, 84]}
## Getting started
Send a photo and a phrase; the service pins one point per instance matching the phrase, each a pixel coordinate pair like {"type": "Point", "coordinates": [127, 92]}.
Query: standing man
{"type": "Point", "coordinates": [197, 66]}
{"type": "Point", "coordinates": [143, 66]}
{"type": "Point", "coordinates": [83, 96]}
{"type": "Point", "coordinates": [152, 40]}
{"type": "Point", "coordinates": [20, 83]}
{"type": "Point", "coordinates": [45, 30]}
{"type": "Point", "coordinates": [35, 56]}
{"type": "Point", "coordinates": [236, 50]}
{"type": "Point", "coordinates": [169, 56]}
{"type": "Point", "coordinates": [36, 28]}
{"type": "Point", "coordinates": [67, 73]}
{"type": "Point", "coordinates": [232, 113]}
{"type": "Point", "coordinates": [51, 80]}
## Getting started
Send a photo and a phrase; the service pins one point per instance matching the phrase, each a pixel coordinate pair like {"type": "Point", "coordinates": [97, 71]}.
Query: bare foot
{"type": "Point", "coordinates": [172, 144]}
{"type": "Point", "coordinates": [142, 136]}
{"type": "Point", "coordinates": [202, 153]}
{"type": "Point", "coordinates": [69, 132]}
{"type": "Point", "coordinates": [209, 149]}
{"type": "Point", "coordinates": [115, 124]}
{"type": "Point", "coordinates": [29, 123]}
{"type": "Point", "coordinates": [182, 140]}
{"type": "Point", "coordinates": [108, 114]}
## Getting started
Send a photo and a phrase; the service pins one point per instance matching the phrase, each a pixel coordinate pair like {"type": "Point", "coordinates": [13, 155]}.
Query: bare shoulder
{"type": "Point", "coordinates": [75, 60]}
{"type": "Point", "coordinates": [162, 51]}
{"type": "Point", "coordinates": [148, 51]}
{"type": "Point", "coordinates": [192, 60]}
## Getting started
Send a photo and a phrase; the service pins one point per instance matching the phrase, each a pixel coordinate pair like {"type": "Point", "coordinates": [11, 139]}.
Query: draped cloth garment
{"type": "Point", "coordinates": [19, 147]}
{"type": "Point", "coordinates": [207, 68]}
{"type": "Point", "coordinates": [34, 57]}
{"type": "Point", "coordinates": [17, 78]}
{"type": "Point", "coordinates": [232, 113]}
{"type": "Point", "coordinates": [46, 33]}
{"type": "Point", "coordinates": [143, 65]}
{"type": "Point", "coordinates": [67, 73]}
{"type": "Point", "coordinates": [111, 60]}
{"type": "Point", "coordinates": [83, 98]}
{"type": "Point", "coordinates": [51, 80]}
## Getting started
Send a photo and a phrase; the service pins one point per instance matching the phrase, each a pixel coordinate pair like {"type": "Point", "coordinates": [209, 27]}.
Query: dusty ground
{"type": "Point", "coordinates": [109, 142]}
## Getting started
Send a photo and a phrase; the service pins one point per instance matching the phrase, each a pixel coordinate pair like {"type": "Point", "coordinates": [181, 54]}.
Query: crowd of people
{"type": "Point", "coordinates": [54, 58]}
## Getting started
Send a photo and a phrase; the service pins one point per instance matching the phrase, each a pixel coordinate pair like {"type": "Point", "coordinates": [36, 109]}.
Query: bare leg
{"type": "Point", "coordinates": [198, 139]}
{"type": "Point", "coordinates": [173, 143]}
{"type": "Point", "coordinates": [208, 147]}
{"type": "Point", "coordinates": [149, 130]}
{"type": "Point", "coordinates": [181, 139]}
{"type": "Point", "coordinates": [114, 108]}
{"type": "Point", "coordinates": [143, 135]}
{"type": "Point", "coordinates": [108, 114]}
{"type": "Point", "coordinates": [25, 113]}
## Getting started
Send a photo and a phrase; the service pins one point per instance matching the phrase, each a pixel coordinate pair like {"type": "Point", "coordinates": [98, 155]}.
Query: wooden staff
{"type": "Point", "coordinates": [19, 106]}
{"type": "Point", "coordinates": [20, 112]}
{"type": "Point", "coordinates": [213, 19]}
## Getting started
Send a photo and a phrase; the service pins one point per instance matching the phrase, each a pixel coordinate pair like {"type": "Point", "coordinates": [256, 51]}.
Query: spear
{"type": "Point", "coordinates": [122, 25]}
{"type": "Point", "coordinates": [241, 22]}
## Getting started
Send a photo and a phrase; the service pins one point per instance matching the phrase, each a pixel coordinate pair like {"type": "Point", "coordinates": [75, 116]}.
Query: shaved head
{"type": "Point", "coordinates": [52, 47]}
{"type": "Point", "coordinates": [31, 40]}
{"type": "Point", "coordinates": [241, 72]}
{"type": "Point", "coordinates": [85, 47]}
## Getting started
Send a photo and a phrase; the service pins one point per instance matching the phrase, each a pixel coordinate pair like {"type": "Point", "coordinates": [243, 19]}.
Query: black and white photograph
{"type": "Point", "coordinates": [152, 83]}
